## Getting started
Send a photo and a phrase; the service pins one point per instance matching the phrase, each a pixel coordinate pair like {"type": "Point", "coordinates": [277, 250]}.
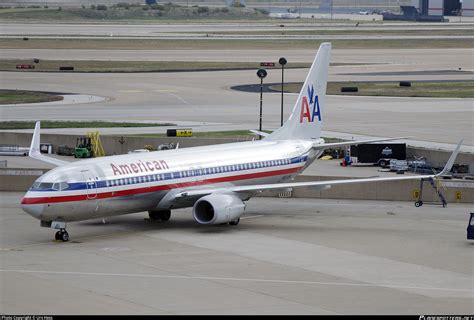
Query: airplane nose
{"type": "Point", "coordinates": [34, 210]}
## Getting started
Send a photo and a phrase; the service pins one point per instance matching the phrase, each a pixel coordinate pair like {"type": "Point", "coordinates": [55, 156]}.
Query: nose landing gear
{"type": "Point", "coordinates": [62, 234]}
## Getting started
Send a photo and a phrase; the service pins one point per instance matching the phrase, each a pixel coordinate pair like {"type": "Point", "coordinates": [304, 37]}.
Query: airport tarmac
{"type": "Point", "coordinates": [198, 29]}
{"type": "Point", "coordinates": [394, 59]}
{"type": "Point", "coordinates": [206, 97]}
{"type": "Point", "coordinates": [287, 256]}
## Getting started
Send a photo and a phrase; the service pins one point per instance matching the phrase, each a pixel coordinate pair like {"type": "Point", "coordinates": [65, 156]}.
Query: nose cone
{"type": "Point", "coordinates": [34, 210]}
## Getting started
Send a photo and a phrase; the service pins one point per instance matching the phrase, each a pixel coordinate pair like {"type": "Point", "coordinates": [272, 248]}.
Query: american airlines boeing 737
{"type": "Point", "coordinates": [214, 180]}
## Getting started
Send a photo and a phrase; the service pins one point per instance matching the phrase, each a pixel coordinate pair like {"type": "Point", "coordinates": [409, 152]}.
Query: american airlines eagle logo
{"type": "Point", "coordinates": [312, 104]}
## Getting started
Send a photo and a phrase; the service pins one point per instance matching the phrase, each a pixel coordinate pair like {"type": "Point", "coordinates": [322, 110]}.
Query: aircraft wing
{"type": "Point", "coordinates": [350, 143]}
{"type": "Point", "coordinates": [35, 149]}
{"type": "Point", "coordinates": [259, 133]}
{"type": "Point", "coordinates": [313, 184]}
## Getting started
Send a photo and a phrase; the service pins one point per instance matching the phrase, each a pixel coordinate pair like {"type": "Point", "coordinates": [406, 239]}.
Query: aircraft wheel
{"type": "Point", "coordinates": [153, 215]}
{"type": "Point", "coordinates": [62, 236]}
{"type": "Point", "coordinates": [165, 215]}
{"type": "Point", "coordinates": [65, 236]}
{"type": "Point", "coordinates": [235, 222]}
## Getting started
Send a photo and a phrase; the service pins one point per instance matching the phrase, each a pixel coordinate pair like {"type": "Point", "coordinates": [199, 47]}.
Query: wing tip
{"type": "Point", "coordinates": [449, 164]}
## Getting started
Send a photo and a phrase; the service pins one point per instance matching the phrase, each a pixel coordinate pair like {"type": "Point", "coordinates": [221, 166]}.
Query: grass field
{"type": "Point", "coordinates": [229, 44]}
{"type": "Point", "coordinates": [142, 66]}
{"type": "Point", "coordinates": [210, 134]}
{"type": "Point", "coordinates": [392, 89]}
{"type": "Point", "coordinates": [20, 96]}
{"type": "Point", "coordinates": [155, 13]}
{"type": "Point", "coordinates": [133, 66]}
{"type": "Point", "coordinates": [7, 125]}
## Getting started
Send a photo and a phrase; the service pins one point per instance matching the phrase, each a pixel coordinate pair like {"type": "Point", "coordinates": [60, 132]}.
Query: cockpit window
{"type": "Point", "coordinates": [40, 186]}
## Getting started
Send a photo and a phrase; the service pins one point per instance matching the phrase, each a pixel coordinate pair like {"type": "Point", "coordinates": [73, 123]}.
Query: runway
{"type": "Point", "coordinates": [419, 59]}
{"type": "Point", "coordinates": [200, 29]}
{"type": "Point", "coordinates": [287, 256]}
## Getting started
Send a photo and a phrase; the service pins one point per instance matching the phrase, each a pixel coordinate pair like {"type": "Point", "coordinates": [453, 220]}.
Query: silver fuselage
{"type": "Point", "coordinates": [137, 182]}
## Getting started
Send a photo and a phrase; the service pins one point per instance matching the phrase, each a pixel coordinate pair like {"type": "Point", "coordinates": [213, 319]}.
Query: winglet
{"type": "Point", "coordinates": [35, 152]}
{"type": "Point", "coordinates": [449, 165]}
{"type": "Point", "coordinates": [35, 142]}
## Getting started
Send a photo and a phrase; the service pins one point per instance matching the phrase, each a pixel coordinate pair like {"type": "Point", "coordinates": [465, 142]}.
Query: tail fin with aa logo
{"type": "Point", "coordinates": [307, 116]}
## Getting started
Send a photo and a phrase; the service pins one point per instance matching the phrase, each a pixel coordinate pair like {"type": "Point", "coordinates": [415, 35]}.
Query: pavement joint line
{"type": "Point", "coordinates": [252, 217]}
{"type": "Point", "coordinates": [231, 279]}
{"type": "Point", "coordinates": [72, 241]}
{"type": "Point", "coordinates": [165, 90]}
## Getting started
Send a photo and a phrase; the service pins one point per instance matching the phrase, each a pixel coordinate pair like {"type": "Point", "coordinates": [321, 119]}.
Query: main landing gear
{"type": "Point", "coordinates": [163, 215]}
{"type": "Point", "coordinates": [62, 235]}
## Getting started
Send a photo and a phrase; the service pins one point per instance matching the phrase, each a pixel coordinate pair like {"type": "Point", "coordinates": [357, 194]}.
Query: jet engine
{"type": "Point", "coordinates": [218, 208]}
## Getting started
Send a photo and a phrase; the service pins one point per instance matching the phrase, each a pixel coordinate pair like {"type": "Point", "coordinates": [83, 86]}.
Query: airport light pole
{"type": "Point", "coordinates": [261, 73]}
{"type": "Point", "coordinates": [282, 61]}
{"type": "Point", "coordinates": [331, 9]}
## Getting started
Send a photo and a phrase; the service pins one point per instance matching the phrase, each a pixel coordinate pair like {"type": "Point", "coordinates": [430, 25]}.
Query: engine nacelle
{"type": "Point", "coordinates": [218, 208]}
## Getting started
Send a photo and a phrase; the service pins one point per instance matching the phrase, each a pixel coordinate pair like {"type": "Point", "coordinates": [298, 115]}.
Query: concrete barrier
{"type": "Point", "coordinates": [403, 190]}
{"type": "Point", "coordinates": [120, 145]}
{"type": "Point", "coordinates": [12, 179]}
{"type": "Point", "coordinates": [113, 144]}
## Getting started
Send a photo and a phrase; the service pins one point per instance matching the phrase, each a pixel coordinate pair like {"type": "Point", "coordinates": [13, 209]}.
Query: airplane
{"type": "Point", "coordinates": [214, 180]}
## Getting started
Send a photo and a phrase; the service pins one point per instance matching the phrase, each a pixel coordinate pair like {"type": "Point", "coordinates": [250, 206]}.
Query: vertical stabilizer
{"type": "Point", "coordinates": [306, 118]}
